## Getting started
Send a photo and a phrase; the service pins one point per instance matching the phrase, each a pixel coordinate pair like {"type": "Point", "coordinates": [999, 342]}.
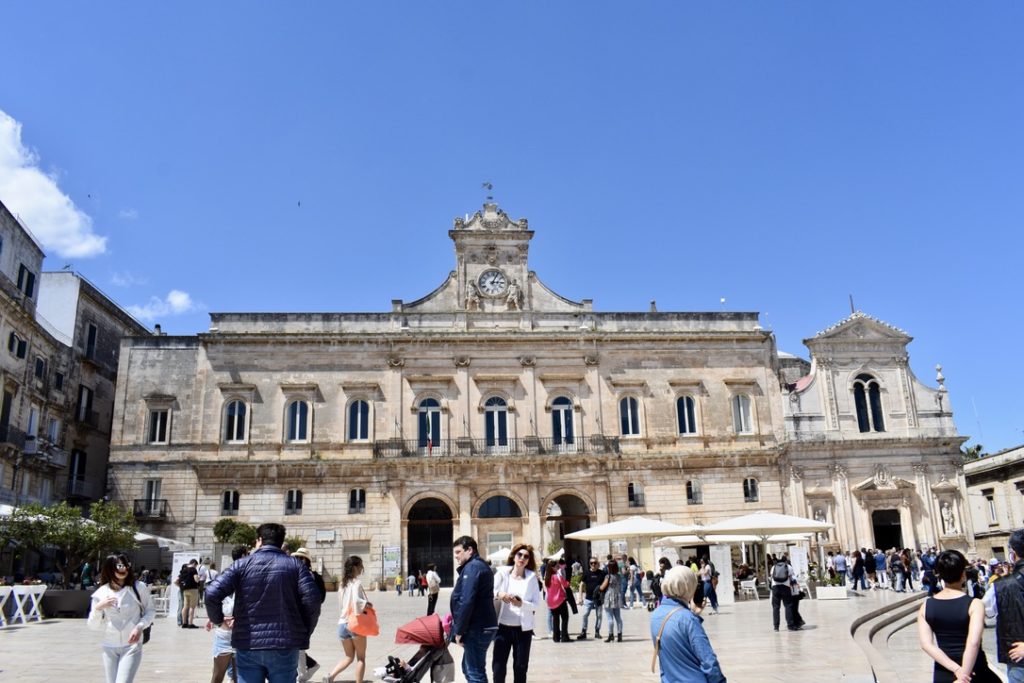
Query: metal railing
{"type": "Point", "coordinates": [80, 488]}
{"type": "Point", "coordinates": [464, 446]}
{"type": "Point", "coordinates": [152, 508]}
{"type": "Point", "coordinates": [13, 436]}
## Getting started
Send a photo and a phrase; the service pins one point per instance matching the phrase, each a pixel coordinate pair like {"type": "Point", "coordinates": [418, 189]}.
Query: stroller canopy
{"type": "Point", "coordinates": [423, 631]}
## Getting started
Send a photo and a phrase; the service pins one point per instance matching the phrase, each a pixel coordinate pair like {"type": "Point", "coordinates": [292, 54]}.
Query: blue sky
{"type": "Point", "coordinates": [252, 156]}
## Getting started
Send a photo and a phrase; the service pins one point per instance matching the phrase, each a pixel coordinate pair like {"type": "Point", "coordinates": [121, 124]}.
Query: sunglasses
{"type": "Point", "coordinates": [121, 567]}
{"type": "Point", "coordinates": [523, 553]}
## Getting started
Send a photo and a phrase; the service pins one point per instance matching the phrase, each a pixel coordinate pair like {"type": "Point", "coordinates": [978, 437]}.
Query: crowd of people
{"type": "Point", "coordinates": [263, 608]}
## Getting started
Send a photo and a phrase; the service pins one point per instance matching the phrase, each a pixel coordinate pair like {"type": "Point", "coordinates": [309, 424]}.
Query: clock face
{"type": "Point", "coordinates": [493, 282]}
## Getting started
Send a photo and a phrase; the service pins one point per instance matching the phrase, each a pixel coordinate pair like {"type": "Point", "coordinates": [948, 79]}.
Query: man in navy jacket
{"type": "Point", "coordinates": [277, 605]}
{"type": "Point", "coordinates": [472, 606]}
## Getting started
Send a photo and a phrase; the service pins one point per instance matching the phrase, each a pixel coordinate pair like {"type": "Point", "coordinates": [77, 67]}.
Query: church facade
{"type": "Point", "coordinates": [497, 408]}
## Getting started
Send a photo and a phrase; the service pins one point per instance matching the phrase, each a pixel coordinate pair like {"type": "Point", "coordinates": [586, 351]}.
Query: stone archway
{"type": "Point", "coordinates": [430, 536]}
{"type": "Point", "coordinates": [564, 514]}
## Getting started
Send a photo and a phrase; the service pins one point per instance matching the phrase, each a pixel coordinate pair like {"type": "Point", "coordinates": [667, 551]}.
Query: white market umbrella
{"type": "Point", "coordinates": [499, 556]}
{"type": "Point", "coordinates": [162, 541]}
{"type": "Point", "coordinates": [692, 540]}
{"type": "Point", "coordinates": [764, 525]}
{"type": "Point", "coordinates": [643, 528]}
{"type": "Point", "coordinates": [557, 556]}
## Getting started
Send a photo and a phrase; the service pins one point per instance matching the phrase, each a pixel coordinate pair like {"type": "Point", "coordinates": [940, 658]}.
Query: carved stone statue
{"type": "Point", "coordinates": [819, 515]}
{"type": "Point", "coordinates": [515, 296]}
{"type": "Point", "coordinates": [948, 523]}
{"type": "Point", "coordinates": [472, 297]}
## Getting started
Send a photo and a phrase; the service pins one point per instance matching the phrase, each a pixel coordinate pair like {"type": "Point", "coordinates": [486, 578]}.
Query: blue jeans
{"type": "Point", "coordinates": [1015, 673]}
{"type": "Point", "coordinates": [613, 615]}
{"type": "Point", "coordinates": [271, 666]}
{"type": "Point", "coordinates": [711, 595]}
{"type": "Point", "coordinates": [474, 655]}
{"type": "Point", "coordinates": [588, 607]}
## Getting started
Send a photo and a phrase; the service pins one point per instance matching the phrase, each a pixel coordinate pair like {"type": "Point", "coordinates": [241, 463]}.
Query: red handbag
{"type": "Point", "coordinates": [364, 624]}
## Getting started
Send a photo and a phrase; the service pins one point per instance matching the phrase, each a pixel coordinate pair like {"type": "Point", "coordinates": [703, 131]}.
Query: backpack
{"type": "Point", "coordinates": [780, 572]}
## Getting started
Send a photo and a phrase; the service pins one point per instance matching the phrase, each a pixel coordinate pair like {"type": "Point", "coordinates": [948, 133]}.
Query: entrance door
{"type": "Point", "coordinates": [430, 539]}
{"type": "Point", "coordinates": [888, 533]}
{"type": "Point", "coordinates": [565, 515]}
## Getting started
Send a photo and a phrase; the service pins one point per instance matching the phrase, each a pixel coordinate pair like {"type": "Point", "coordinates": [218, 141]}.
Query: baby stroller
{"type": "Point", "coordinates": [433, 655]}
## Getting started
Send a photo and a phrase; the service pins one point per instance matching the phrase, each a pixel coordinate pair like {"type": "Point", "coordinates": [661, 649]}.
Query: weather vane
{"type": "Point", "coordinates": [490, 188]}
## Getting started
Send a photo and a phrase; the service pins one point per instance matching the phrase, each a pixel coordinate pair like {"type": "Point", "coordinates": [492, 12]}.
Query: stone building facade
{"type": "Point", "coordinates": [497, 408]}
{"type": "Point", "coordinates": [995, 499]}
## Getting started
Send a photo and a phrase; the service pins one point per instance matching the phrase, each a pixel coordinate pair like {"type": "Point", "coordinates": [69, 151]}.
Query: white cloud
{"type": "Point", "coordinates": [175, 303]}
{"type": "Point", "coordinates": [127, 279]}
{"type": "Point", "coordinates": [128, 214]}
{"type": "Point", "coordinates": [33, 195]}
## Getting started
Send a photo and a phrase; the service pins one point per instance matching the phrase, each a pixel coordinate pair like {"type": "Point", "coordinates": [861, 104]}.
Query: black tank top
{"type": "Point", "coordinates": [950, 620]}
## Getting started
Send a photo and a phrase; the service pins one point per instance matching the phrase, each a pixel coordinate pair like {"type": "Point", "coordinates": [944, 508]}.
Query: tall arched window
{"type": "Point", "coordinates": [298, 422]}
{"type": "Point", "coordinates": [694, 495]}
{"type": "Point", "coordinates": [235, 414]}
{"type": "Point", "coordinates": [686, 414]}
{"type": "Point", "coordinates": [629, 416]}
{"type": "Point", "coordinates": [741, 414]}
{"type": "Point", "coordinates": [356, 501]}
{"type": "Point", "coordinates": [358, 421]}
{"type": "Point", "coordinates": [563, 436]}
{"type": "Point", "coordinates": [429, 429]}
{"type": "Point", "coordinates": [750, 492]}
{"type": "Point", "coordinates": [867, 397]}
{"type": "Point", "coordinates": [499, 506]}
{"type": "Point", "coordinates": [496, 423]}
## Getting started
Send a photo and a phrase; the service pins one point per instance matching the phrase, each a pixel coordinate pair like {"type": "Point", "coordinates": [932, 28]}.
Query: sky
{"type": "Point", "coordinates": [191, 157]}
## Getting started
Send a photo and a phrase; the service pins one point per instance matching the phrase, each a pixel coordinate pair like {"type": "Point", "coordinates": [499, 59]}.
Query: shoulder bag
{"type": "Point", "coordinates": [145, 631]}
{"type": "Point", "coordinates": [657, 641]}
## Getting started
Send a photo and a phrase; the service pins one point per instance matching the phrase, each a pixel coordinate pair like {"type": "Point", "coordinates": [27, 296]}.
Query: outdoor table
{"type": "Point", "coordinates": [27, 597]}
{"type": "Point", "coordinates": [5, 594]}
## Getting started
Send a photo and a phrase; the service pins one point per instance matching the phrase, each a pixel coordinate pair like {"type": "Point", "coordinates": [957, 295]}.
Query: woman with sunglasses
{"type": "Point", "coordinates": [121, 606]}
{"type": "Point", "coordinates": [516, 594]}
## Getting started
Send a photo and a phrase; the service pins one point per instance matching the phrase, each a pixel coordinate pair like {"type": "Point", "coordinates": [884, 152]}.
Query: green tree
{"type": "Point", "coordinates": [295, 542]}
{"type": "Point", "coordinates": [975, 452]}
{"type": "Point", "coordinates": [224, 529]}
{"type": "Point", "coordinates": [62, 527]}
{"type": "Point", "coordinates": [244, 534]}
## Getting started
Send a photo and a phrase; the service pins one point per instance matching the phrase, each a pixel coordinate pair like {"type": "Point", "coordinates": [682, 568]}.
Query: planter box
{"type": "Point", "coordinates": [66, 603]}
{"type": "Point", "coordinates": [832, 593]}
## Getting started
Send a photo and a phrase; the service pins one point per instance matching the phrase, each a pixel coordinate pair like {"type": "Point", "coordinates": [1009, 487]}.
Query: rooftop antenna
{"type": "Point", "coordinates": [852, 309]}
{"type": "Point", "coordinates": [487, 185]}
{"type": "Point", "coordinates": [721, 302]}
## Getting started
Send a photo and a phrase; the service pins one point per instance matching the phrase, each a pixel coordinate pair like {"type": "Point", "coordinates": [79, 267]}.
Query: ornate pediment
{"type": "Point", "coordinates": [944, 485]}
{"type": "Point", "coordinates": [861, 327]}
{"type": "Point", "coordinates": [883, 481]}
{"type": "Point", "coordinates": [491, 219]}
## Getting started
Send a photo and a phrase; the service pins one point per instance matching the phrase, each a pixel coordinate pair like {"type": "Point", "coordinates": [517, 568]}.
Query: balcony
{"type": "Point", "coordinates": [14, 437]}
{"type": "Point", "coordinates": [465, 447]}
{"type": "Point", "coordinates": [151, 508]}
{"type": "Point", "coordinates": [78, 488]}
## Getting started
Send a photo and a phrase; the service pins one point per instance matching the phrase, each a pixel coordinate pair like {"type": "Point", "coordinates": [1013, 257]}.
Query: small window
{"type": "Point", "coordinates": [17, 345]}
{"type": "Point", "coordinates": [229, 503]}
{"type": "Point", "coordinates": [235, 422]}
{"type": "Point", "coordinates": [990, 500]}
{"type": "Point", "coordinates": [629, 416]}
{"type": "Point", "coordinates": [686, 414]}
{"type": "Point", "coordinates": [58, 381]}
{"type": "Point", "coordinates": [750, 492]}
{"type": "Point", "coordinates": [53, 430]}
{"type": "Point", "coordinates": [298, 422]}
{"type": "Point", "coordinates": [293, 502]}
{"type": "Point", "coordinates": [428, 428]}
{"type": "Point", "coordinates": [635, 493]}
{"type": "Point", "coordinates": [40, 368]}
{"type": "Point", "coordinates": [84, 411]}
{"type": "Point", "coordinates": [158, 425]}
{"type": "Point", "coordinates": [33, 421]}
{"type": "Point", "coordinates": [694, 495]}
{"type": "Point", "coordinates": [90, 340]}
{"type": "Point", "coordinates": [358, 417]}
{"type": "Point", "coordinates": [741, 414]}
{"type": "Point", "coordinates": [26, 281]}
{"type": "Point", "coordinates": [356, 501]}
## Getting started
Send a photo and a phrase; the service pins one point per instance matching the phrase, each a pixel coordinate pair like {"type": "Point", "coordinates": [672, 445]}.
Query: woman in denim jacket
{"type": "Point", "coordinates": [684, 651]}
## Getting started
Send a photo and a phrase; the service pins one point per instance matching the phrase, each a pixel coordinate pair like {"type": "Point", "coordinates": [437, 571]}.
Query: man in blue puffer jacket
{"type": "Point", "coordinates": [474, 622]}
{"type": "Point", "coordinates": [277, 605]}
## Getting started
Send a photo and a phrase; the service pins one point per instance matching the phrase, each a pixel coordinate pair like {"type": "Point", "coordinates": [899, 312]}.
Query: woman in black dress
{"type": "Point", "coordinates": [950, 625]}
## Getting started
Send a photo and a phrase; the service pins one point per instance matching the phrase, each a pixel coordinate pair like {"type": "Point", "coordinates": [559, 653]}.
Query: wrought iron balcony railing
{"type": "Point", "coordinates": [464, 446]}
{"type": "Point", "coordinates": [151, 508]}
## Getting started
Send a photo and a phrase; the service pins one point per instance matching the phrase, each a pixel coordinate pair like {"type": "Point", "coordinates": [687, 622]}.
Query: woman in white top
{"type": "Point", "coordinates": [121, 606]}
{"type": "Point", "coordinates": [352, 599]}
{"type": "Point", "coordinates": [517, 589]}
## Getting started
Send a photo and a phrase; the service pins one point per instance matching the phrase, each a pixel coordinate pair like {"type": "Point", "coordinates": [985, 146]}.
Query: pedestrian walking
{"type": "Point", "coordinates": [518, 591]}
{"type": "Point", "coordinates": [707, 579]}
{"type": "Point", "coordinates": [1004, 602]}
{"type": "Point", "coordinates": [277, 605]}
{"type": "Point", "coordinates": [782, 594]}
{"type": "Point", "coordinates": [474, 621]}
{"type": "Point", "coordinates": [613, 601]}
{"type": "Point", "coordinates": [123, 609]}
{"type": "Point", "coordinates": [681, 645]}
{"type": "Point", "coordinates": [557, 587]}
{"type": "Point", "coordinates": [433, 587]}
{"type": "Point", "coordinates": [593, 597]}
{"type": "Point", "coordinates": [352, 600]}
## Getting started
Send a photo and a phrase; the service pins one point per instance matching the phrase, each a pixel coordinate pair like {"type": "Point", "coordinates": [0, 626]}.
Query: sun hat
{"type": "Point", "coordinates": [303, 553]}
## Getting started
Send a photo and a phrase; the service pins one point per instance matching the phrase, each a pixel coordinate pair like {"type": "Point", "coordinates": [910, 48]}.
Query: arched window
{"type": "Point", "coordinates": [297, 429]}
{"type": "Point", "coordinates": [496, 423]}
{"type": "Point", "coordinates": [235, 423]}
{"type": "Point", "coordinates": [629, 416]}
{"type": "Point", "coordinates": [694, 496]}
{"type": "Point", "coordinates": [635, 493]}
{"type": "Point", "coordinates": [229, 503]}
{"type": "Point", "coordinates": [686, 414]}
{"type": "Point", "coordinates": [429, 430]}
{"type": "Point", "coordinates": [562, 433]}
{"type": "Point", "coordinates": [741, 414]}
{"type": "Point", "coordinates": [499, 506]}
{"type": "Point", "coordinates": [867, 397]}
{"type": "Point", "coordinates": [358, 421]}
{"type": "Point", "coordinates": [750, 492]}
{"type": "Point", "coordinates": [356, 501]}
{"type": "Point", "coordinates": [293, 502]}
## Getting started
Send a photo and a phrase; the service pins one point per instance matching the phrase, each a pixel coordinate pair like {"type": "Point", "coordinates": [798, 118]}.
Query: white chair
{"type": "Point", "coordinates": [162, 606]}
{"type": "Point", "coordinates": [749, 586]}
{"type": "Point", "coordinates": [27, 605]}
{"type": "Point", "coordinates": [5, 594]}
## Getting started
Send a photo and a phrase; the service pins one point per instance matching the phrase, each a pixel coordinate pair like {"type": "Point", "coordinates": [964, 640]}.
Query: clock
{"type": "Point", "coordinates": [493, 282]}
